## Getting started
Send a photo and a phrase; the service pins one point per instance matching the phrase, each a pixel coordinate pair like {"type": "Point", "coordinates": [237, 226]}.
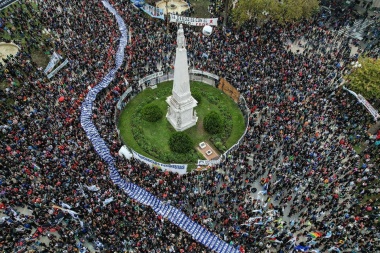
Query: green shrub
{"type": "Point", "coordinates": [180, 142]}
{"type": "Point", "coordinates": [197, 96]}
{"type": "Point", "coordinates": [212, 122]}
{"type": "Point", "coordinates": [151, 113]}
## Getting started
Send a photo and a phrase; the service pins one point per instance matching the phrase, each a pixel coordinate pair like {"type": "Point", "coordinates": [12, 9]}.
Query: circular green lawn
{"type": "Point", "coordinates": [151, 139]}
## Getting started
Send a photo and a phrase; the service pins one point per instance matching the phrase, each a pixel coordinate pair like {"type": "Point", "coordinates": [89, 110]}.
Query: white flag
{"type": "Point", "coordinates": [107, 201]}
{"type": "Point", "coordinates": [93, 188]}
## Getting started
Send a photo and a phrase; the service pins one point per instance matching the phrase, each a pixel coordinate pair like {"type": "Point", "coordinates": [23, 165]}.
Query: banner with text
{"type": "Point", "coordinates": [53, 60]}
{"type": "Point", "coordinates": [193, 21]}
{"type": "Point", "coordinates": [125, 94]}
{"type": "Point", "coordinates": [57, 69]}
{"type": "Point", "coordinates": [150, 77]}
{"type": "Point", "coordinates": [208, 162]}
{"type": "Point", "coordinates": [369, 107]}
{"type": "Point", "coordinates": [153, 11]}
{"type": "Point", "coordinates": [366, 104]}
{"type": "Point", "coordinates": [179, 168]}
{"type": "Point", "coordinates": [138, 3]}
{"type": "Point", "coordinates": [200, 72]}
{"type": "Point", "coordinates": [5, 3]}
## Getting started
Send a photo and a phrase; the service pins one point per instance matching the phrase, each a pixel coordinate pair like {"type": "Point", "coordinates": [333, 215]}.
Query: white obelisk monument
{"type": "Point", "coordinates": [181, 113]}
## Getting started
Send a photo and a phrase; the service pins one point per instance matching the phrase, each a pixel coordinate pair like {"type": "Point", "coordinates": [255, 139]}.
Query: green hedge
{"type": "Point", "coordinates": [212, 122]}
{"type": "Point", "coordinates": [180, 142]}
{"type": "Point", "coordinates": [197, 96]}
{"type": "Point", "coordinates": [151, 113]}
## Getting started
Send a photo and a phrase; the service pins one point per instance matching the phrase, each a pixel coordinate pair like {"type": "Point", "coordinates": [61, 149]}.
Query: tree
{"type": "Point", "coordinates": [280, 10]}
{"type": "Point", "coordinates": [365, 80]}
{"type": "Point", "coordinates": [227, 6]}
{"type": "Point", "coordinates": [212, 122]}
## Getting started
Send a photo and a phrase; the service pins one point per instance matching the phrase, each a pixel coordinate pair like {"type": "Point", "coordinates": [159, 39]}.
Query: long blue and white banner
{"type": "Point", "coordinates": [152, 11]}
{"type": "Point", "coordinates": [174, 215]}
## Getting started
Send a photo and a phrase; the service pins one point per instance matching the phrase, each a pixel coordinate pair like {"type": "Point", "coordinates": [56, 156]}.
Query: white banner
{"type": "Point", "coordinates": [200, 72]}
{"type": "Point", "coordinates": [58, 68]}
{"type": "Point", "coordinates": [193, 21]}
{"type": "Point", "coordinates": [125, 94]}
{"type": "Point", "coordinates": [5, 3]}
{"type": "Point", "coordinates": [208, 162]}
{"type": "Point", "coordinates": [367, 105]}
{"type": "Point", "coordinates": [150, 77]}
{"type": "Point", "coordinates": [153, 11]}
{"type": "Point", "coordinates": [178, 168]}
{"type": "Point", "coordinates": [53, 60]}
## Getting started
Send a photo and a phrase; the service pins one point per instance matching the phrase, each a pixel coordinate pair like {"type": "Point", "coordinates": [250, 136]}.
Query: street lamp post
{"type": "Point", "coordinates": [167, 15]}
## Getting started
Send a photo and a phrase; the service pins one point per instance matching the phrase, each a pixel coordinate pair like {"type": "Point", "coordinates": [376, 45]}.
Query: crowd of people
{"type": "Point", "coordinates": [295, 183]}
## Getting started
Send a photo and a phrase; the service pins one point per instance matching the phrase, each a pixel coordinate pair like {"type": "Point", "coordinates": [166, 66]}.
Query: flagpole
{"type": "Point", "coordinates": [167, 16]}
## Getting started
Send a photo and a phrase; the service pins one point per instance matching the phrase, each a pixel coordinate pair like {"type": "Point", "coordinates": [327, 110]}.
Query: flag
{"type": "Point", "coordinates": [315, 234]}
{"type": "Point", "coordinates": [64, 205]}
{"type": "Point", "coordinates": [93, 188]}
{"type": "Point", "coordinates": [53, 61]}
{"type": "Point", "coordinates": [333, 248]}
{"type": "Point", "coordinates": [107, 201]}
{"type": "Point", "coordinates": [302, 248]}
{"type": "Point", "coordinates": [35, 167]}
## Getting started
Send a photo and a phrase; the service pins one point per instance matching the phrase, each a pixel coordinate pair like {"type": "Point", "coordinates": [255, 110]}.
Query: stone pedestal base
{"type": "Point", "coordinates": [181, 115]}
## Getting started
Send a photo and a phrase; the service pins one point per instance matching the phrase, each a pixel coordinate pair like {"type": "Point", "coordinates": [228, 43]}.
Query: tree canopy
{"type": "Point", "coordinates": [212, 122]}
{"type": "Point", "coordinates": [280, 10]}
{"type": "Point", "coordinates": [365, 80]}
{"type": "Point", "coordinates": [152, 113]}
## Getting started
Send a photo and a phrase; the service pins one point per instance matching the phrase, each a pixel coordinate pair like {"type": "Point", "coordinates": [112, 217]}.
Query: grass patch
{"type": "Point", "coordinates": [155, 135]}
{"type": "Point", "coordinates": [3, 85]}
{"type": "Point", "coordinates": [40, 58]}
{"type": "Point", "coordinates": [358, 148]}
{"type": "Point", "coordinates": [201, 9]}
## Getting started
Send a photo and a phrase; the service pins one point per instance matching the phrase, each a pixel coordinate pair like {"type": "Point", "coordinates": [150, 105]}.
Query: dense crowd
{"type": "Point", "coordinates": [296, 181]}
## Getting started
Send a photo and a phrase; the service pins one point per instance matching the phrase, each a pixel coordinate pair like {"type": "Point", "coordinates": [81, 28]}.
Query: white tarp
{"type": "Point", "coordinates": [125, 152]}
